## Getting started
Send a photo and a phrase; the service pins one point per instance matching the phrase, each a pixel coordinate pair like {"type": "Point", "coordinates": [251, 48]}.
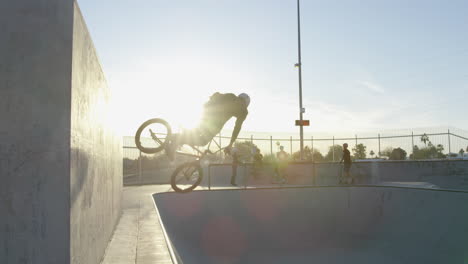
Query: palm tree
{"type": "Point", "coordinates": [372, 153]}
{"type": "Point", "coordinates": [424, 139]}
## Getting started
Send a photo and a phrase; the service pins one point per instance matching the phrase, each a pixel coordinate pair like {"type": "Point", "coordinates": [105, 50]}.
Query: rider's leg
{"type": "Point", "coordinates": [179, 139]}
{"type": "Point", "coordinates": [349, 175]}
{"type": "Point", "coordinates": [193, 138]}
{"type": "Point", "coordinates": [234, 174]}
{"type": "Point", "coordinates": [278, 172]}
{"type": "Point", "coordinates": [175, 142]}
{"type": "Point", "coordinates": [199, 136]}
{"type": "Point", "coordinates": [346, 169]}
{"type": "Point", "coordinates": [206, 132]}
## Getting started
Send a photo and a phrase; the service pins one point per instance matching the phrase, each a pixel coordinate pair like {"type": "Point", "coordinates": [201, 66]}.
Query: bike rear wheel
{"type": "Point", "coordinates": [152, 135]}
{"type": "Point", "coordinates": [187, 177]}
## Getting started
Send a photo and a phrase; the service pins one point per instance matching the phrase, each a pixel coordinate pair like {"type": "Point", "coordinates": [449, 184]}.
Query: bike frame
{"type": "Point", "coordinates": [201, 153]}
{"type": "Point", "coordinates": [190, 169]}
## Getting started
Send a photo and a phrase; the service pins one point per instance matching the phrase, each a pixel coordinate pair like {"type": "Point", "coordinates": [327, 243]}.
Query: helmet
{"type": "Point", "coordinates": [245, 97]}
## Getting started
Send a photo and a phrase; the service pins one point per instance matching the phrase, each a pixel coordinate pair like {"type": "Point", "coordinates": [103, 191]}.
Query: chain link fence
{"type": "Point", "coordinates": [435, 143]}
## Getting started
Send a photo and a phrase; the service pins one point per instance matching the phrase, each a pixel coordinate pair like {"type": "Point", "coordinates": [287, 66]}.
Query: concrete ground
{"type": "Point", "coordinates": [327, 224]}
{"type": "Point", "coordinates": [162, 176]}
{"type": "Point", "coordinates": [138, 237]}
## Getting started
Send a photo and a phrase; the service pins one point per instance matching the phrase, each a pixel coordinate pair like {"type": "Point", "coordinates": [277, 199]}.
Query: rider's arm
{"type": "Point", "coordinates": [237, 129]}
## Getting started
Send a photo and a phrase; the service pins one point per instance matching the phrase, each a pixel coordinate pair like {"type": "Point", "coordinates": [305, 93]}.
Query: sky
{"type": "Point", "coordinates": [367, 65]}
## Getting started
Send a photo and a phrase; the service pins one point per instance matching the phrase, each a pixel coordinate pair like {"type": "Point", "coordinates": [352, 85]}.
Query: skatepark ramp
{"type": "Point", "coordinates": [351, 224]}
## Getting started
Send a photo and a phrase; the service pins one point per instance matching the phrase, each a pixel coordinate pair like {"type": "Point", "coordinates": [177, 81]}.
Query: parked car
{"type": "Point", "coordinates": [463, 156]}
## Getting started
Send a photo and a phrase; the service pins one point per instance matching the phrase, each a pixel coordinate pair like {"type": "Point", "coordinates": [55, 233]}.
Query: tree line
{"type": "Point", "coordinates": [358, 152]}
{"type": "Point", "coordinates": [246, 150]}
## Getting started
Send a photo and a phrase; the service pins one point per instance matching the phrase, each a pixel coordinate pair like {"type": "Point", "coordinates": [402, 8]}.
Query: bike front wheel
{"type": "Point", "coordinates": [152, 135]}
{"type": "Point", "coordinates": [187, 177]}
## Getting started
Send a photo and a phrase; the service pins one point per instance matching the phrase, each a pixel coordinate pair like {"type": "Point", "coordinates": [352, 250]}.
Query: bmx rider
{"type": "Point", "coordinates": [217, 111]}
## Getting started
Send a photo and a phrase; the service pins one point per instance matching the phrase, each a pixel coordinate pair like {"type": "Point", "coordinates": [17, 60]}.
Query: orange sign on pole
{"type": "Point", "coordinates": [303, 123]}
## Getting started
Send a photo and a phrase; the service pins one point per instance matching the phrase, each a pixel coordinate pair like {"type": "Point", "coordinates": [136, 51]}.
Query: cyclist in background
{"type": "Point", "coordinates": [346, 159]}
{"type": "Point", "coordinates": [281, 165]}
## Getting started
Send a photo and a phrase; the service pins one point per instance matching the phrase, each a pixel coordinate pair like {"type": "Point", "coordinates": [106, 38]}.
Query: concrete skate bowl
{"type": "Point", "coordinates": [355, 224]}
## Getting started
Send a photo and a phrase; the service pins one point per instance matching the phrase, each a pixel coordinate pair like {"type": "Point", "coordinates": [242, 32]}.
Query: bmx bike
{"type": "Point", "coordinates": [186, 176]}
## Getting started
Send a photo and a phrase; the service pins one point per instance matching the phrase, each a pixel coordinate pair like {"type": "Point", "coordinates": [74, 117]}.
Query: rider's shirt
{"type": "Point", "coordinates": [346, 156]}
{"type": "Point", "coordinates": [282, 155]}
{"type": "Point", "coordinates": [219, 109]}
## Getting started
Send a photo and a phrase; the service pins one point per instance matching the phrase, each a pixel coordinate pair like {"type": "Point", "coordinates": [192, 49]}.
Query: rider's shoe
{"type": "Point", "coordinates": [233, 184]}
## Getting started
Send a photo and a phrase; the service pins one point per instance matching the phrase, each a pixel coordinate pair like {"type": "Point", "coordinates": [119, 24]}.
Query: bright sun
{"type": "Point", "coordinates": [174, 91]}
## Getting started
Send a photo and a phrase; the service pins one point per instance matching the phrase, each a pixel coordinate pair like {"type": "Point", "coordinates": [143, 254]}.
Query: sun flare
{"type": "Point", "coordinates": [174, 91]}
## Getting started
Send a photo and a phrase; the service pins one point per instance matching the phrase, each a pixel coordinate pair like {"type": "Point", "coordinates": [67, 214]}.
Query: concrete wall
{"type": "Point", "coordinates": [96, 153]}
{"type": "Point", "coordinates": [448, 174]}
{"type": "Point", "coordinates": [355, 224]}
{"type": "Point", "coordinates": [35, 77]}
{"type": "Point", "coordinates": [45, 178]}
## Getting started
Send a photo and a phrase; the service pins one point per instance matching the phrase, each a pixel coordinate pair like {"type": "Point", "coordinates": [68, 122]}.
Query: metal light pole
{"type": "Point", "coordinates": [299, 65]}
